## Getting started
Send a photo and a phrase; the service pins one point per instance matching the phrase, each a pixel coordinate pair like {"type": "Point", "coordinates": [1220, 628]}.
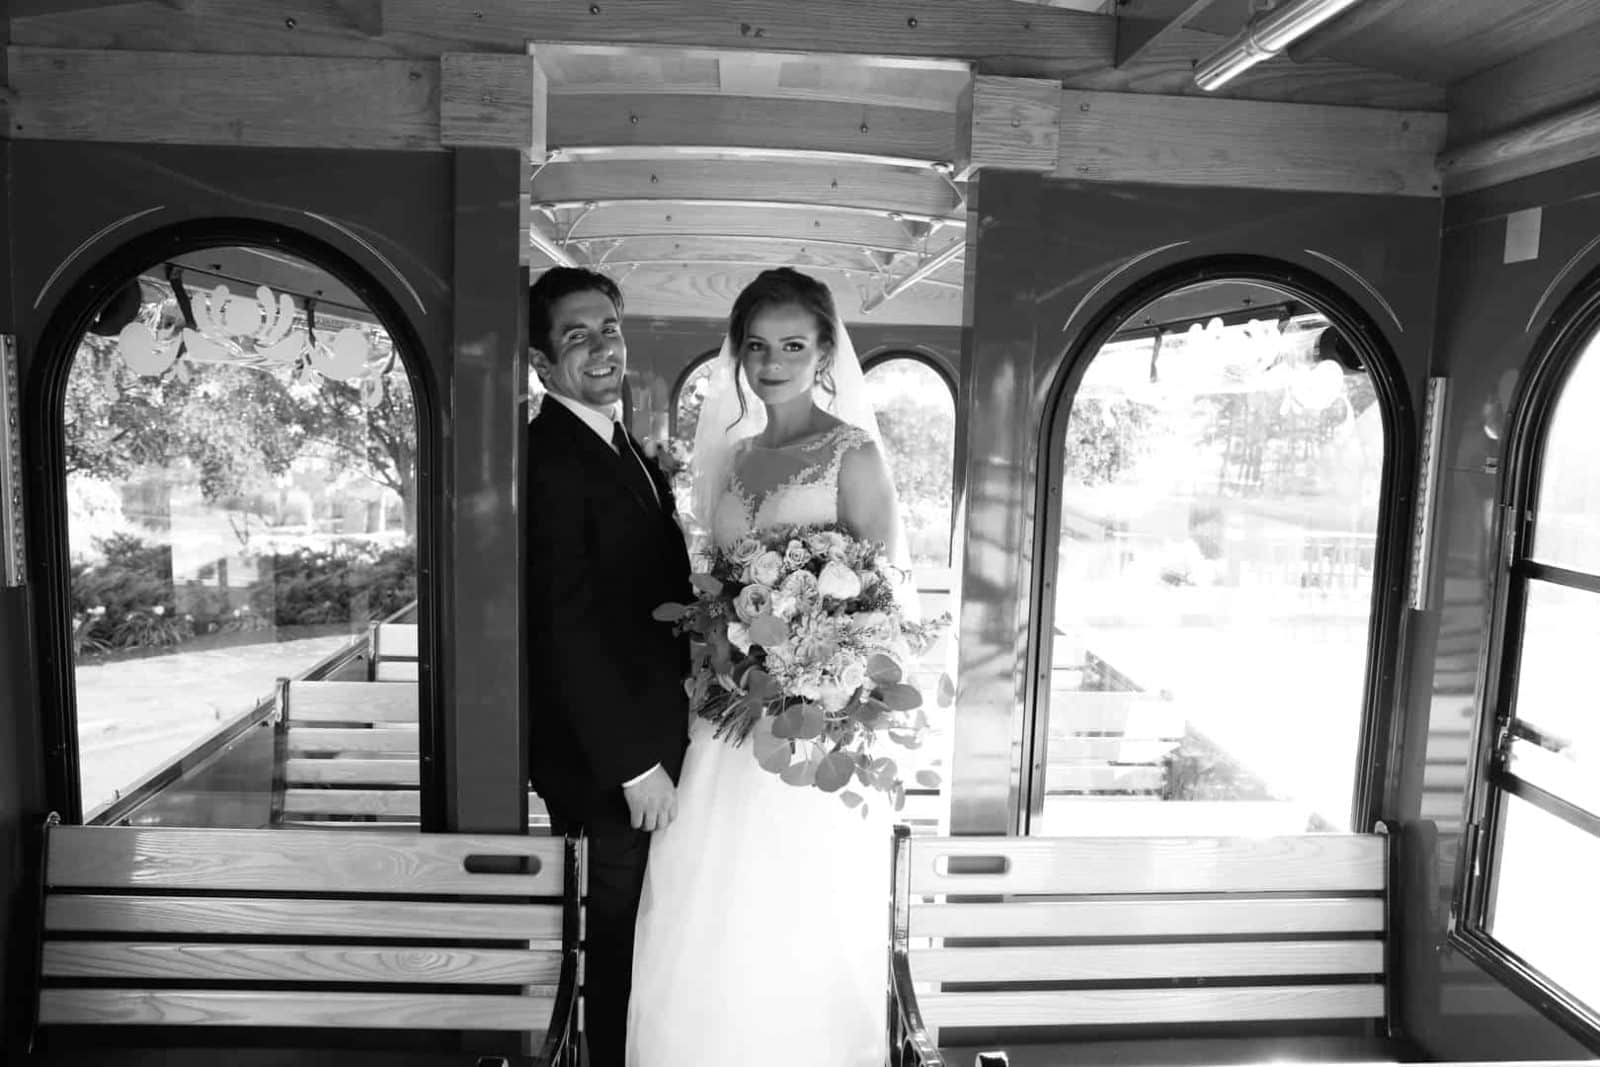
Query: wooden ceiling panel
{"type": "Point", "coordinates": [705, 252]}
{"type": "Point", "coordinates": [1167, 68]}
{"type": "Point", "coordinates": [915, 190]}
{"type": "Point", "coordinates": [1444, 41]}
{"type": "Point", "coordinates": [654, 120]}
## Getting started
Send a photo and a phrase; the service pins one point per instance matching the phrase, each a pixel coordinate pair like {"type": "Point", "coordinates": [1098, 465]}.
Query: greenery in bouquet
{"type": "Point", "coordinates": [801, 648]}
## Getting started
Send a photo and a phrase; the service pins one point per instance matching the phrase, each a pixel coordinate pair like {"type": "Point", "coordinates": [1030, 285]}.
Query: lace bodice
{"type": "Point", "coordinates": [797, 484]}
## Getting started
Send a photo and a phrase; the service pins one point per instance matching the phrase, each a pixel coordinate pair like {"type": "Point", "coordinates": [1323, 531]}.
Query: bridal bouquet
{"type": "Point", "coordinates": [800, 647]}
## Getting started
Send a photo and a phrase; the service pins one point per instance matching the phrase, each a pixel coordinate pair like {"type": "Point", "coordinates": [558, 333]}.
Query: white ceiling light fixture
{"type": "Point", "coordinates": [1264, 37]}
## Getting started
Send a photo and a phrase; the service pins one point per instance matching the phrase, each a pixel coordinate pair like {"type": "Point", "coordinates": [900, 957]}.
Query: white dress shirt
{"type": "Point", "coordinates": [602, 423]}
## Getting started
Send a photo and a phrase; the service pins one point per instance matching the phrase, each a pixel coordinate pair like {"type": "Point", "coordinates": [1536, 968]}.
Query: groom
{"type": "Point", "coordinates": [608, 717]}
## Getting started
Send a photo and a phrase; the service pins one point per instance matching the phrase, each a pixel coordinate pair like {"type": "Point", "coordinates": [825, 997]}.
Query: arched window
{"type": "Point", "coordinates": [1539, 846]}
{"type": "Point", "coordinates": [240, 459]}
{"type": "Point", "coordinates": [1216, 478]}
{"type": "Point", "coordinates": [916, 410]}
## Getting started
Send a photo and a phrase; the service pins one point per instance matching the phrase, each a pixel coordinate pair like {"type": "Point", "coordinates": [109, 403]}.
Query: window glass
{"type": "Point", "coordinates": [1566, 530]}
{"type": "Point", "coordinates": [917, 417]}
{"type": "Point", "coordinates": [241, 478]}
{"type": "Point", "coordinates": [1534, 914]}
{"type": "Point", "coordinates": [1221, 473]}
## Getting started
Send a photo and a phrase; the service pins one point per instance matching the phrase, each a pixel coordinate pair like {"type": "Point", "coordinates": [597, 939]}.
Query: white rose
{"type": "Point", "coordinates": [853, 676]}
{"type": "Point", "coordinates": [739, 635]}
{"type": "Point", "coordinates": [838, 581]}
{"type": "Point", "coordinates": [752, 600]}
{"type": "Point", "coordinates": [802, 585]}
{"type": "Point", "coordinates": [766, 568]}
{"type": "Point", "coordinates": [744, 550]}
{"type": "Point", "coordinates": [796, 555]}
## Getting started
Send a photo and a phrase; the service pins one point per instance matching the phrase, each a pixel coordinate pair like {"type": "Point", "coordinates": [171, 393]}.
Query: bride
{"type": "Point", "coordinates": [762, 929]}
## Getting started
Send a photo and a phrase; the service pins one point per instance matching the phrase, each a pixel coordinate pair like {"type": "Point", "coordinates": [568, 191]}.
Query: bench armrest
{"type": "Point", "coordinates": [909, 1043]}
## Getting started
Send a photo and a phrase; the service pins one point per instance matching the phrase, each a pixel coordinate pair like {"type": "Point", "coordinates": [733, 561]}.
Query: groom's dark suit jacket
{"type": "Point", "coordinates": [606, 679]}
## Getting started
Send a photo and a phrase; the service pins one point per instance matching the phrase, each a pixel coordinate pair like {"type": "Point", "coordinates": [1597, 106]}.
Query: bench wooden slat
{"type": "Point", "coordinates": [391, 772]}
{"type": "Point", "coordinates": [1110, 749]}
{"type": "Point", "coordinates": [98, 857]}
{"type": "Point", "coordinates": [304, 918]}
{"type": "Point", "coordinates": [299, 963]}
{"type": "Point", "coordinates": [403, 803]}
{"type": "Point", "coordinates": [351, 702]}
{"type": "Point", "coordinates": [1241, 959]}
{"type": "Point", "coordinates": [389, 803]}
{"type": "Point", "coordinates": [398, 1011]}
{"type": "Point", "coordinates": [395, 671]}
{"type": "Point", "coordinates": [1313, 862]}
{"type": "Point", "coordinates": [1149, 918]}
{"type": "Point", "coordinates": [395, 741]}
{"type": "Point", "coordinates": [1073, 777]}
{"type": "Point", "coordinates": [396, 640]}
{"type": "Point", "coordinates": [1136, 714]}
{"type": "Point", "coordinates": [1106, 1007]}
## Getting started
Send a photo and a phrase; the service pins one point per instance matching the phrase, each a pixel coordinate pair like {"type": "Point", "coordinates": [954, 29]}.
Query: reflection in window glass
{"type": "Point", "coordinates": [242, 502]}
{"type": "Point", "coordinates": [1560, 633]}
{"type": "Point", "coordinates": [686, 405]}
{"type": "Point", "coordinates": [1219, 507]}
{"type": "Point", "coordinates": [1537, 916]}
{"type": "Point", "coordinates": [917, 417]}
{"type": "Point", "coordinates": [1565, 531]}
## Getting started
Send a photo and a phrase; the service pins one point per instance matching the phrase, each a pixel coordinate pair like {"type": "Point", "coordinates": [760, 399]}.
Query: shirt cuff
{"type": "Point", "coordinates": [642, 777]}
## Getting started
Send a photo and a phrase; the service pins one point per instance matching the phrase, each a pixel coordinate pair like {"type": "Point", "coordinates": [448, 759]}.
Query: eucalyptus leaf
{"type": "Point", "coordinates": [800, 773]}
{"type": "Point", "coordinates": [929, 779]}
{"type": "Point", "coordinates": [947, 691]}
{"type": "Point", "coordinates": [762, 685]}
{"type": "Point", "coordinates": [705, 583]}
{"type": "Point", "coordinates": [833, 773]}
{"type": "Point", "coordinates": [900, 697]}
{"type": "Point", "coordinates": [851, 798]}
{"type": "Point", "coordinates": [883, 670]}
{"type": "Point", "coordinates": [669, 612]}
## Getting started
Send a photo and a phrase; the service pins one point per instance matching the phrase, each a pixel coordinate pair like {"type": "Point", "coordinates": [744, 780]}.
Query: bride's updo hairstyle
{"type": "Point", "coordinates": [783, 287]}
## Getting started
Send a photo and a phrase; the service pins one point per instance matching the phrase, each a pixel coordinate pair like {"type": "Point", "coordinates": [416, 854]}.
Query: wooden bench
{"type": "Point", "coordinates": [392, 652]}
{"type": "Point", "coordinates": [349, 757]}
{"type": "Point", "coordinates": [1017, 940]}
{"type": "Point", "coordinates": [309, 930]}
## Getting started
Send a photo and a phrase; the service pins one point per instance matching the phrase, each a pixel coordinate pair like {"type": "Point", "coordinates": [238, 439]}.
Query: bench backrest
{"type": "Point", "coordinates": [350, 757]}
{"type": "Point", "coordinates": [392, 652]}
{"type": "Point", "coordinates": [1002, 932]}
{"type": "Point", "coordinates": [309, 928]}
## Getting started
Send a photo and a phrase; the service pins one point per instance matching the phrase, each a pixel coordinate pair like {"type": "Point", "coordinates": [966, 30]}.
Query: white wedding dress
{"type": "Point", "coordinates": [763, 929]}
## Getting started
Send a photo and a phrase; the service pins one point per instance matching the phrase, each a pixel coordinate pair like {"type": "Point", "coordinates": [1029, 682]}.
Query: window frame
{"type": "Point", "coordinates": [56, 348]}
{"type": "Point", "coordinates": [1562, 344]}
{"type": "Point", "coordinates": [1382, 689]}
{"type": "Point", "coordinates": [676, 392]}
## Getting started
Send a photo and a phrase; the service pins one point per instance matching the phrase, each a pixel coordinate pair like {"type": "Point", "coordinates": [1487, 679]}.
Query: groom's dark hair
{"type": "Point", "coordinates": [558, 282]}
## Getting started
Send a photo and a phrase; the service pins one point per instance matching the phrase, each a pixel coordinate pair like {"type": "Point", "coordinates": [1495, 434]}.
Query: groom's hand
{"type": "Point", "coordinates": [652, 801]}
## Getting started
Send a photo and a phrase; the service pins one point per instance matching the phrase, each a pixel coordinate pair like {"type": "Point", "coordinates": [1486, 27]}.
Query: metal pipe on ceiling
{"type": "Point", "coordinates": [1265, 37]}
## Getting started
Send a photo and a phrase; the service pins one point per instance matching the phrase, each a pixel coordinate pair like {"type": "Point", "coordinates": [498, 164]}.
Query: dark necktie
{"type": "Point", "coordinates": [633, 463]}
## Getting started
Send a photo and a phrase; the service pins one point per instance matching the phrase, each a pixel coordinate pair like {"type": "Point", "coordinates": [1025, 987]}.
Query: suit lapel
{"type": "Point", "coordinates": [597, 454]}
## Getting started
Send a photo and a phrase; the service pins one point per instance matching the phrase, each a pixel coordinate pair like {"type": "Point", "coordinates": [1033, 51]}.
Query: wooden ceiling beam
{"type": "Point", "coordinates": [1005, 37]}
{"type": "Point", "coordinates": [1009, 124]}
{"type": "Point", "coordinates": [915, 190]}
{"type": "Point", "coordinates": [491, 101]}
{"type": "Point", "coordinates": [1128, 137]}
{"type": "Point", "coordinates": [1143, 24]}
{"type": "Point", "coordinates": [672, 203]}
{"type": "Point", "coordinates": [673, 293]}
{"type": "Point", "coordinates": [744, 252]}
{"type": "Point", "coordinates": [785, 222]}
{"type": "Point", "coordinates": [652, 120]}
{"type": "Point", "coordinates": [257, 101]}
{"type": "Point", "coordinates": [1569, 136]}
